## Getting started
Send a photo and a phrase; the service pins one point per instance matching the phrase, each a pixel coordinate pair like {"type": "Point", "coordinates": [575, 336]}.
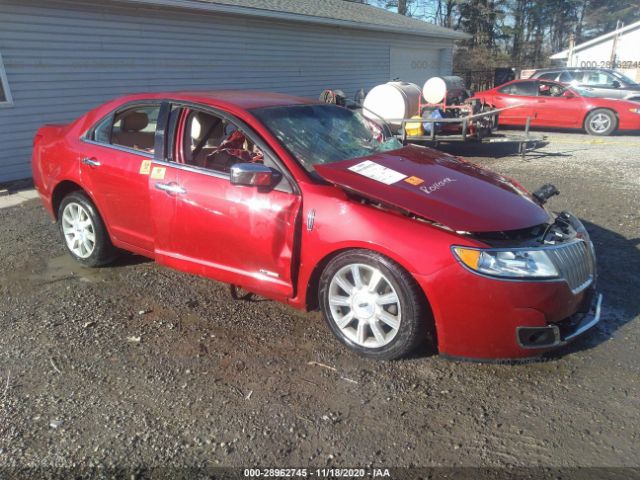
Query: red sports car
{"type": "Point", "coordinates": [307, 204]}
{"type": "Point", "coordinates": [552, 104]}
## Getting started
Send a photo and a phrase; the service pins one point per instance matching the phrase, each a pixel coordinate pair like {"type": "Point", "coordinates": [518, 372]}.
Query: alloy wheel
{"type": "Point", "coordinates": [78, 229]}
{"type": "Point", "coordinates": [364, 305]}
{"type": "Point", "coordinates": [600, 123]}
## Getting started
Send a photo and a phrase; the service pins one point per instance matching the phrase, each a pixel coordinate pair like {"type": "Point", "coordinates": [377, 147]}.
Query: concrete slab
{"type": "Point", "coordinates": [17, 197]}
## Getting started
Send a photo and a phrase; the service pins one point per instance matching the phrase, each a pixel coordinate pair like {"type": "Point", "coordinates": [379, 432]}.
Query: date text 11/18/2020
{"type": "Point", "coordinates": [317, 472]}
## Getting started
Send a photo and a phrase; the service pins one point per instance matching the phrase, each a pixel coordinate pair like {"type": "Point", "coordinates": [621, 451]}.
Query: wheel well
{"type": "Point", "coordinates": [312, 300]}
{"type": "Point", "coordinates": [62, 190]}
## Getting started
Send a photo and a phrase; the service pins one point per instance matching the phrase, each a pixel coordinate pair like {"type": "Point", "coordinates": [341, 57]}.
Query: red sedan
{"type": "Point", "coordinates": [312, 205]}
{"type": "Point", "coordinates": [552, 104]}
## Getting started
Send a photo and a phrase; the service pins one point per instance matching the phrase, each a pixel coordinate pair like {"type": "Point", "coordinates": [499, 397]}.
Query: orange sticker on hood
{"type": "Point", "coordinates": [414, 181]}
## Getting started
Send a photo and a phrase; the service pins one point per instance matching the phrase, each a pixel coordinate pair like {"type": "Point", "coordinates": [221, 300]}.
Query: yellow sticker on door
{"type": "Point", "coordinates": [158, 173]}
{"type": "Point", "coordinates": [145, 167]}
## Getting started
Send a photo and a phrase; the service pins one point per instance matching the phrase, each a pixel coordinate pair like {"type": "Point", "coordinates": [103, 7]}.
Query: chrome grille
{"type": "Point", "coordinates": [576, 263]}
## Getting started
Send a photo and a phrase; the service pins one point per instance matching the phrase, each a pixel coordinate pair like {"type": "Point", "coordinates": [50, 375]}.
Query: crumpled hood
{"type": "Point", "coordinates": [440, 188]}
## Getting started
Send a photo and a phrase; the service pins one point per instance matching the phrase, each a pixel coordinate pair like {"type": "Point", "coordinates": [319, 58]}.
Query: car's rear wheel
{"type": "Point", "coordinates": [600, 122]}
{"type": "Point", "coordinates": [83, 231]}
{"type": "Point", "coordinates": [373, 305]}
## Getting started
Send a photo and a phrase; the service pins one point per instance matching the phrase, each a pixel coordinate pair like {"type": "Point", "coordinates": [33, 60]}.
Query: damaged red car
{"type": "Point", "coordinates": [313, 205]}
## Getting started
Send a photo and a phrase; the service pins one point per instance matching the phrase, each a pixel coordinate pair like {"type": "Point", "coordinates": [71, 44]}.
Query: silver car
{"type": "Point", "coordinates": [596, 82]}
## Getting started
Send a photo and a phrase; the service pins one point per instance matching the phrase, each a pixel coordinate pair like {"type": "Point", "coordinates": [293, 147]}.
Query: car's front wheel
{"type": "Point", "coordinates": [600, 122]}
{"type": "Point", "coordinates": [373, 305]}
{"type": "Point", "coordinates": [83, 231]}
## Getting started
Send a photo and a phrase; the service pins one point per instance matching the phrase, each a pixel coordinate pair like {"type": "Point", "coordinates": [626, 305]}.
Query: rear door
{"type": "Point", "coordinates": [237, 234]}
{"type": "Point", "coordinates": [115, 160]}
{"type": "Point", "coordinates": [519, 98]}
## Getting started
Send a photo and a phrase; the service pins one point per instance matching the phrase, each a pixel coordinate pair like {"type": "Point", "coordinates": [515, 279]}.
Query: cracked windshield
{"type": "Point", "coordinates": [319, 134]}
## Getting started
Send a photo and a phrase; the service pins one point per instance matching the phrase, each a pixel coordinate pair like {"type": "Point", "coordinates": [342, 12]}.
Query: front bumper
{"type": "Point", "coordinates": [629, 121]}
{"type": "Point", "coordinates": [556, 335]}
{"type": "Point", "coordinates": [482, 318]}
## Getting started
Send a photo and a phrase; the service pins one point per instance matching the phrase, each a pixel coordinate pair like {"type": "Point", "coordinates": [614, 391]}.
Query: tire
{"type": "Point", "coordinates": [83, 232]}
{"type": "Point", "coordinates": [382, 331]}
{"type": "Point", "coordinates": [601, 122]}
{"type": "Point", "coordinates": [487, 125]}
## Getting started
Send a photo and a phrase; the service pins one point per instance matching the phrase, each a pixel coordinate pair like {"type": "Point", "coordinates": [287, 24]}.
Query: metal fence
{"type": "Point", "coordinates": [478, 80]}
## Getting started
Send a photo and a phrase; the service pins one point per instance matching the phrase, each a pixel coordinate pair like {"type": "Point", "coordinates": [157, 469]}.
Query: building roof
{"type": "Point", "coordinates": [621, 31]}
{"type": "Point", "coordinates": [326, 12]}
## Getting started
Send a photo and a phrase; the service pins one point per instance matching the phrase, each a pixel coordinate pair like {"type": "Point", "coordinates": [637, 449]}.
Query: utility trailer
{"type": "Point", "coordinates": [464, 119]}
{"type": "Point", "coordinates": [480, 127]}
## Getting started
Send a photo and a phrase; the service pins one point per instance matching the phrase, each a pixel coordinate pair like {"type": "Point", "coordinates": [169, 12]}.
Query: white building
{"type": "Point", "coordinates": [618, 50]}
{"type": "Point", "coordinates": [60, 58]}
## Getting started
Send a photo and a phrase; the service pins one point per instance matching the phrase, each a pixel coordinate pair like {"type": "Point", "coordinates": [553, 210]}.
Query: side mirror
{"type": "Point", "coordinates": [616, 84]}
{"type": "Point", "coordinates": [251, 175]}
{"type": "Point", "coordinates": [569, 94]}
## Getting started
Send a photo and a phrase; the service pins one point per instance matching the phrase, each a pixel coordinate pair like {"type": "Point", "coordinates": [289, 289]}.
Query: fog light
{"type": "Point", "coordinates": [538, 337]}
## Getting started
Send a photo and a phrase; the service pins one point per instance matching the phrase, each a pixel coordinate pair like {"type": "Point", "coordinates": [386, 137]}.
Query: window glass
{"type": "Point", "coordinates": [623, 78]}
{"type": "Point", "coordinates": [5, 95]}
{"type": "Point", "coordinates": [548, 76]}
{"type": "Point", "coordinates": [566, 77]}
{"type": "Point", "coordinates": [318, 134]}
{"type": "Point", "coordinates": [102, 133]}
{"type": "Point", "coordinates": [521, 89]}
{"type": "Point", "coordinates": [134, 128]}
{"type": "Point", "coordinates": [550, 89]}
{"type": "Point", "coordinates": [215, 143]}
{"type": "Point", "coordinates": [597, 78]}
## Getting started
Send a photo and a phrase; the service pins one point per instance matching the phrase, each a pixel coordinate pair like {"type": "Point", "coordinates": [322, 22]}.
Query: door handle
{"type": "Point", "coordinates": [542, 101]}
{"type": "Point", "coordinates": [92, 162]}
{"type": "Point", "coordinates": [171, 188]}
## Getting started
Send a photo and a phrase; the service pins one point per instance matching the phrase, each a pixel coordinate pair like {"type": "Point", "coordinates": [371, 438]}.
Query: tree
{"type": "Point", "coordinates": [517, 33]}
{"type": "Point", "coordinates": [403, 7]}
{"type": "Point", "coordinates": [601, 16]}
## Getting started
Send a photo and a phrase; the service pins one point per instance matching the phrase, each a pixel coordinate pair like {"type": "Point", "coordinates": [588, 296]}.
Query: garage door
{"type": "Point", "coordinates": [416, 65]}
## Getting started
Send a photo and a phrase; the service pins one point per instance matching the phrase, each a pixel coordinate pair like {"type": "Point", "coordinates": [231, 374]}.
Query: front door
{"type": "Point", "coordinates": [557, 106]}
{"type": "Point", "coordinates": [237, 234]}
{"type": "Point", "coordinates": [115, 161]}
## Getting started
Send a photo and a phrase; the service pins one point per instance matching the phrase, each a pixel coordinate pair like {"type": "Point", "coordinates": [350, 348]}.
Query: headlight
{"type": "Point", "coordinates": [634, 110]}
{"type": "Point", "coordinates": [507, 263]}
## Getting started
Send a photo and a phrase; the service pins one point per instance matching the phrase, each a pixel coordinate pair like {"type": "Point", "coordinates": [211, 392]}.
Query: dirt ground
{"type": "Point", "coordinates": [136, 366]}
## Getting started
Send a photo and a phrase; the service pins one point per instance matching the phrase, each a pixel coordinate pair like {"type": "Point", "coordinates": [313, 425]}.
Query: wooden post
{"type": "Point", "coordinates": [614, 44]}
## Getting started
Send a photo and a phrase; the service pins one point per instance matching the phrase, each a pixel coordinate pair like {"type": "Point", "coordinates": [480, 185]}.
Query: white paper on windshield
{"type": "Point", "coordinates": [377, 172]}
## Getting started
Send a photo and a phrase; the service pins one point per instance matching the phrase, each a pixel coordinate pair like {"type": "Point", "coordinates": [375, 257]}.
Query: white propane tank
{"type": "Point", "coordinates": [435, 89]}
{"type": "Point", "coordinates": [392, 101]}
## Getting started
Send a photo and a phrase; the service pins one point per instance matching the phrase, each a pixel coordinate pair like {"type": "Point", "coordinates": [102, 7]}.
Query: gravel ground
{"type": "Point", "coordinates": [136, 366]}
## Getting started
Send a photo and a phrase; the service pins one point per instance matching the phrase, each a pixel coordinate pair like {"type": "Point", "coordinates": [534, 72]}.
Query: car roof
{"type": "Point", "coordinates": [562, 69]}
{"type": "Point", "coordinates": [530, 79]}
{"type": "Point", "coordinates": [243, 99]}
